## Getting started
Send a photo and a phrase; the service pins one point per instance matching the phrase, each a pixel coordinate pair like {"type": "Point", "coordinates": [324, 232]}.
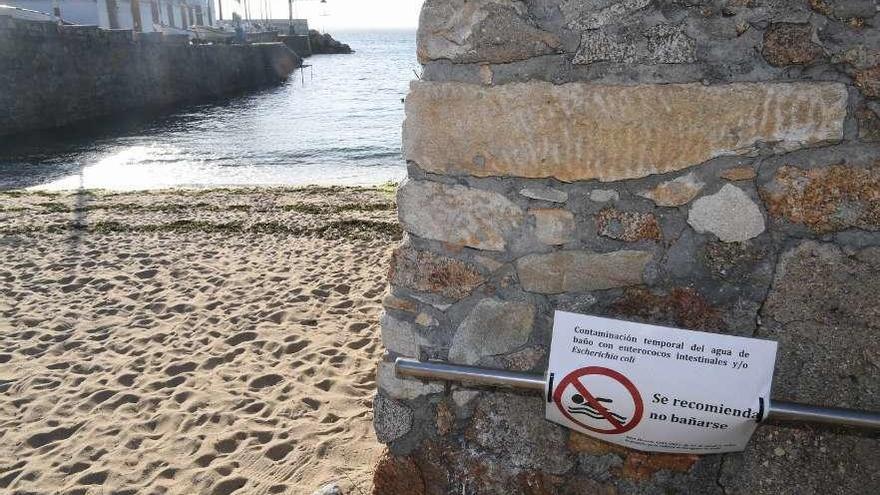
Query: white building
{"type": "Point", "coordinates": [170, 16]}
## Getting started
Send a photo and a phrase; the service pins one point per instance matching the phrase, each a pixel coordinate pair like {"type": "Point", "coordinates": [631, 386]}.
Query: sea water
{"type": "Point", "coordinates": [336, 122]}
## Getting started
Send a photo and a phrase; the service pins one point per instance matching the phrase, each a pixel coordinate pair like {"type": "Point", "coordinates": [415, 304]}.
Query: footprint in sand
{"type": "Point", "coordinates": [229, 485]}
{"type": "Point", "coordinates": [279, 451]}
{"type": "Point", "coordinates": [266, 381]}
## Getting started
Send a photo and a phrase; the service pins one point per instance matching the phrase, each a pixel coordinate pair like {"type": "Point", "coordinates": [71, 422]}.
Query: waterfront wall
{"type": "Point", "coordinates": [711, 165]}
{"type": "Point", "coordinates": [53, 76]}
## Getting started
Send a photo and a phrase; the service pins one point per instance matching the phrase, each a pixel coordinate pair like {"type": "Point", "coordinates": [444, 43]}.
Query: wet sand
{"type": "Point", "coordinates": [217, 341]}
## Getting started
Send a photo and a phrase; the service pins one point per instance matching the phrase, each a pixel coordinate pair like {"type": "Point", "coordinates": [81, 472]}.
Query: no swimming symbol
{"type": "Point", "coordinates": [600, 400]}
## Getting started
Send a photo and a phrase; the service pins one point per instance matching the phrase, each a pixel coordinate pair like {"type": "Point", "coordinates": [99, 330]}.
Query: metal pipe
{"type": "Point", "coordinates": [806, 413]}
{"type": "Point", "coordinates": [470, 374]}
{"type": "Point", "coordinates": [777, 410]}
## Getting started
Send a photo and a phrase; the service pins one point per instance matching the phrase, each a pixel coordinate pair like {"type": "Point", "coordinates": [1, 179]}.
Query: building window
{"type": "Point", "coordinates": [184, 21]}
{"type": "Point", "coordinates": [170, 11]}
{"type": "Point", "coordinates": [199, 19]}
{"type": "Point", "coordinates": [154, 10]}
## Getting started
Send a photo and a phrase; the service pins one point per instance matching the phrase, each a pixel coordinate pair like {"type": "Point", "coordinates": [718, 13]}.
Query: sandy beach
{"type": "Point", "coordinates": [182, 342]}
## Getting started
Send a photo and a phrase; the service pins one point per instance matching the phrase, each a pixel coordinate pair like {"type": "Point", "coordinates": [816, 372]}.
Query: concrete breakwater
{"type": "Point", "coordinates": [56, 75]}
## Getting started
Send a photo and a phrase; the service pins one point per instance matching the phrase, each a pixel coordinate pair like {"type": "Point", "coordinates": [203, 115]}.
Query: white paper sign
{"type": "Point", "coordinates": [656, 388]}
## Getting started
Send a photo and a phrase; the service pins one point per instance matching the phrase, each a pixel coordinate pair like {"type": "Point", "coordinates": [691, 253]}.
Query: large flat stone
{"type": "Point", "coordinates": [391, 419]}
{"type": "Point", "coordinates": [581, 131]}
{"type": "Point", "coordinates": [480, 31]}
{"type": "Point", "coordinates": [512, 425]}
{"type": "Point", "coordinates": [425, 271]}
{"type": "Point", "coordinates": [457, 214]}
{"type": "Point", "coordinates": [579, 271]}
{"type": "Point", "coordinates": [826, 199]}
{"type": "Point", "coordinates": [404, 388]}
{"type": "Point", "coordinates": [493, 327]}
{"type": "Point", "coordinates": [730, 214]}
{"type": "Point", "coordinates": [399, 336]}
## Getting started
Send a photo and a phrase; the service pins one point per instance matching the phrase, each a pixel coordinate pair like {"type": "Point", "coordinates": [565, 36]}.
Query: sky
{"type": "Point", "coordinates": [336, 14]}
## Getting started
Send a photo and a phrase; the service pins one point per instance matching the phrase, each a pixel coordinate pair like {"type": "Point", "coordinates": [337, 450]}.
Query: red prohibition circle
{"type": "Point", "coordinates": [573, 380]}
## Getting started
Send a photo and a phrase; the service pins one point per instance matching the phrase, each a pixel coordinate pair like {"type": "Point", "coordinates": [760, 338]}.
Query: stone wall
{"type": "Point", "coordinates": [52, 76]}
{"type": "Point", "coordinates": [710, 165]}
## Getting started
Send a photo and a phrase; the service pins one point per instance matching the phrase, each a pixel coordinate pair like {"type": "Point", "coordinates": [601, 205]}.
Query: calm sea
{"type": "Point", "coordinates": [337, 122]}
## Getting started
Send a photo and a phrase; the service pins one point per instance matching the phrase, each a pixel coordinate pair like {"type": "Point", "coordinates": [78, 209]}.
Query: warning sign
{"type": "Point", "coordinates": [657, 388]}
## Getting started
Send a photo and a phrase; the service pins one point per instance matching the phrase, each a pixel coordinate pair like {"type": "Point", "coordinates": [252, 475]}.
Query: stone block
{"type": "Point", "coordinates": [457, 214]}
{"type": "Point", "coordinates": [399, 336]}
{"type": "Point", "coordinates": [580, 131]}
{"type": "Point", "coordinates": [390, 301]}
{"type": "Point", "coordinates": [730, 214]}
{"type": "Point", "coordinates": [826, 199]}
{"type": "Point", "coordinates": [425, 271]}
{"type": "Point", "coordinates": [545, 193]}
{"type": "Point", "coordinates": [397, 475]}
{"type": "Point", "coordinates": [675, 192]}
{"type": "Point", "coordinates": [822, 310]}
{"type": "Point", "coordinates": [511, 425]}
{"type": "Point", "coordinates": [628, 226]}
{"type": "Point", "coordinates": [582, 15]}
{"type": "Point", "coordinates": [868, 80]}
{"type": "Point", "coordinates": [580, 271]}
{"type": "Point", "coordinates": [391, 419]}
{"type": "Point", "coordinates": [481, 31]}
{"type": "Point", "coordinates": [869, 124]}
{"type": "Point", "coordinates": [404, 388]}
{"type": "Point", "coordinates": [790, 44]}
{"type": "Point", "coordinates": [493, 327]}
{"type": "Point", "coordinates": [680, 307]}
{"type": "Point", "coordinates": [553, 226]}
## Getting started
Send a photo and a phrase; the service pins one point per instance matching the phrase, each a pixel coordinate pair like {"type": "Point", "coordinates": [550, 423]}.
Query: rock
{"type": "Point", "coordinates": [445, 419]}
{"type": "Point", "coordinates": [681, 307]}
{"type": "Point", "coordinates": [579, 271]}
{"type": "Point", "coordinates": [822, 309]}
{"type": "Point", "coordinates": [642, 466]}
{"type": "Point", "coordinates": [868, 80]}
{"type": "Point", "coordinates": [512, 426]}
{"type": "Point", "coordinates": [425, 271]}
{"type": "Point", "coordinates": [493, 327]}
{"type": "Point", "coordinates": [675, 192]}
{"type": "Point", "coordinates": [463, 397]}
{"type": "Point", "coordinates": [543, 193]}
{"type": "Point", "coordinates": [399, 336]}
{"type": "Point", "coordinates": [553, 226]}
{"type": "Point", "coordinates": [666, 44]}
{"type": "Point", "coordinates": [524, 360]}
{"type": "Point", "coordinates": [869, 125]}
{"type": "Point", "coordinates": [739, 173]}
{"type": "Point", "coordinates": [391, 419]}
{"type": "Point", "coordinates": [826, 199]}
{"type": "Point", "coordinates": [604, 195]}
{"type": "Point", "coordinates": [629, 226]}
{"type": "Point", "coordinates": [325, 44]}
{"type": "Point", "coordinates": [790, 44]}
{"type": "Point", "coordinates": [404, 388]}
{"type": "Point", "coordinates": [480, 31]}
{"type": "Point", "coordinates": [329, 489]}
{"type": "Point", "coordinates": [730, 214]}
{"type": "Point", "coordinates": [426, 320]}
{"type": "Point", "coordinates": [457, 214]}
{"type": "Point", "coordinates": [397, 475]}
{"type": "Point", "coordinates": [580, 443]}
{"type": "Point", "coordinates": [582, 15]}
{"type": "Point", "coordinates": [390, 301]}
{"type": "Point", "coordinates": [582, 131]}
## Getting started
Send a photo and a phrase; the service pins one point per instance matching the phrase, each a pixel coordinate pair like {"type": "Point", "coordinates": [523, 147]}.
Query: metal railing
{"type": "Point", "coordinates": [780, 411]}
